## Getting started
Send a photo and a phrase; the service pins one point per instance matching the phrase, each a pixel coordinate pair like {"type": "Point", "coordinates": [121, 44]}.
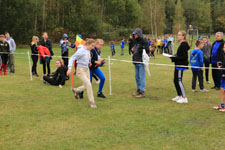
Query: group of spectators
{"type": "Point", "coordinates": [7, 49]}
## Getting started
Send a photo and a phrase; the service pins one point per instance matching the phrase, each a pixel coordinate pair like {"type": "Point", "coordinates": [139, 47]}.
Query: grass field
{"type": "Point", "coordinates": [35, 116]}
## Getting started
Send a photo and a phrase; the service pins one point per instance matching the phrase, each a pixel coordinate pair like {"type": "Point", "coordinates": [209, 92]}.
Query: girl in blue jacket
{"type": "Point", "coordinates": [197, 61]}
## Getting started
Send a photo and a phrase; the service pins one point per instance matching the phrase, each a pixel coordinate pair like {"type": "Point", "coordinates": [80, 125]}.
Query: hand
{"type": "Point", "coordinates": [90, 64]}
{"type": "Point", "coordinates": [98, 62]}
{"type": "Point", "coordinates": [68, 72]}
{"type": "Point", "coordinates": [69, 44]}
{"type": "Point", "coordinates": [60, 86]}
{"type": "Point", "coordinates": [132, 49]}
{"type": "Point", "coordinates": [202, 69]}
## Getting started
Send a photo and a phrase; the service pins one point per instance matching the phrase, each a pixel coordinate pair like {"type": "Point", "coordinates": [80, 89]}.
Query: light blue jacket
{"type": "Point", "coordinates": [12, 44]}
{"type": "Point", "coordinates": [82, 56]}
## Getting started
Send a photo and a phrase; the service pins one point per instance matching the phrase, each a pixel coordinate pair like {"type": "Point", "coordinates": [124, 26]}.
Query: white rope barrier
{"type": "Point", "coordinates": [128, 61]}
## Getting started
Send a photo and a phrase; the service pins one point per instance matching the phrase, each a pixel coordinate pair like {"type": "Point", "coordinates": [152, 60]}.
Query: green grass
{"type": "Point", "coordinates": [43, 117]}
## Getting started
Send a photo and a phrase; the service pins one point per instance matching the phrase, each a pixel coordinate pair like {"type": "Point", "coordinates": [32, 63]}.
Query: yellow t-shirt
{"type": "Point", "coordinates": [159, 42]}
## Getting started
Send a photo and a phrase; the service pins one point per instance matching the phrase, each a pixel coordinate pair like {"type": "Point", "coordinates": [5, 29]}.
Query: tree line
{"type": "Point", "coordinates": [109, 19]}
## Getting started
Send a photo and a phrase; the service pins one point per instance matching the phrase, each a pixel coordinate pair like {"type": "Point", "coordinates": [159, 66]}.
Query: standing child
{"type": "Point", "coordinates": [112, 47]}
{"type": "Point", "coordinates": [122, 47]}
{"type": "Point", "coordinates": [197, 61]}
{"type": "Point", "coordinates": [221, 107]}
{"type": "Point", "coordinates": [4, 53]}
{"type": "Point", "coordinates": [34, 54]}
{"type": "Point", "coordinates": [64, 44]}
{"type": "Point", "coordinates": [83, 62]}
{"type": "Point", "coordinates": [181, 64]}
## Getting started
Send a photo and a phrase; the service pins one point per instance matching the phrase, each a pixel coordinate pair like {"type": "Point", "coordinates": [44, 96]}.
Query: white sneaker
{"type": "Point", "coordinates": [176, 98]}
{"type": "Point", "coordinates": [97, 82]}
{"type": "Point", "coordinates": [182, 100]}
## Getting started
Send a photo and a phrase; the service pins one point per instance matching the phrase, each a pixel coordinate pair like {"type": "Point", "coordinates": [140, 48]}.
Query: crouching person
{"type": "Point", "coordinates": [4, 53]}
{"type": "Point", "coordinates": [57, 78]}
{"type": "Point", "coordinates": [82, 56]}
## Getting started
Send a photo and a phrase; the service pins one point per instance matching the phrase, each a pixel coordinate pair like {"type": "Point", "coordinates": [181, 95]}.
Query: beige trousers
{"type": "Point", "coordinates": [84, 75]}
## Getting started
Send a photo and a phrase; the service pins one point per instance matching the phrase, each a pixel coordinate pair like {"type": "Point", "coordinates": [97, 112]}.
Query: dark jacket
{"type": "Point", "coordinates": [4, 47]}
{"type": "Point", "coordinates": [131, 43]}
{"type": "Point", "coordinates": [34, 49]}
{"type": "Point", "coordinates": [223, 71]}
{"type": "Point", "coordinates": [60, 75]}
{"type": "Point", "coordinates": [220, 52]}
{"type": "Point", "coordinates": [47, 44]}
{"type": "Point", "coordinates": [94, 57]}
{"type": "Point", "coordinates": [181, 58]}
{"type": "Point", "coordinates": [139, 44]}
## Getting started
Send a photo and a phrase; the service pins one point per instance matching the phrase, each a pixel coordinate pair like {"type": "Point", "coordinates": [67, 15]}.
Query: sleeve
{"type": "Point", "coordinates": [201, 59]}
{"type": "Point", "coordinates": [220, 54]}
{"type": "Point", "coordinates": [75, 56]}
{"type": "Point", "coordinates": [13, 45]}
{"type": "Point", "coordinates": [92, 58]}
{"type": "Point", "coordinates": [63, 76]}
{"type": "Point", "coordinates": [50, 48]}
{"type": "Point", "coordinates": [146, 47]}
{"type": "Point", "coordinates": [32, 48]}
{"type": "Point", "coordinates": [72, 45]}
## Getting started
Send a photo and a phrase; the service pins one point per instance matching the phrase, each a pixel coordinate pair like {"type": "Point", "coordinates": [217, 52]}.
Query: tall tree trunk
{"type": "Point", "coordinates": [151, 17]}
{"type": "Point", "coordinates": [155, 19]}
{"type": "Point", "coordinates": [43, 16]}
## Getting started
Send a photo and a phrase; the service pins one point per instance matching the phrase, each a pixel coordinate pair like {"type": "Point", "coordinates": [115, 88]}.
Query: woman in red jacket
{"type": "Point", "coordinates": [44, 55]}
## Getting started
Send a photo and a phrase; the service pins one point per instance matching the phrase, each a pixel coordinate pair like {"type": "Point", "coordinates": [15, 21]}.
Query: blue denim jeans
{"type": "Point", "coordinates": [101, 76]}
{"type": "Point", "coordinates": [140, 76]}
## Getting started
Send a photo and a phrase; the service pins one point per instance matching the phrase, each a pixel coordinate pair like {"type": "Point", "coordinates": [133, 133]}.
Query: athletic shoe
{"type": "Point", "coordinates": [204, 91]}
{"type": "Point", "coordinates": [140, 95]}
{"type": "Point", "coordinates": [217, 107]}
{"type": "Point", "coordinates": [5, 73]}
{"type": "Point", "coordinates": [93, 105]}
{"type": "Point", "coordinates": [182, 100]}
{"type": "Point", "coordinates": [222, 110]}
{"type": "Point", "coordinates": [81, 95]}
{"type": "Point", "coordinates": [0, 73]}
{"type": "Point", "coordinates": [136, 93]}
{"type": "Point", "coordinates": [101, 95]}
{"type": "Point", "coordinates": [213, 87]}
{"type": "Point", "coordinates": [97, 82]}
{"type": "Point", "coordinates": [194, 90]}
{"type": "Point", "coordinates": [176, 98]}
{"type": "Point", "coordinates": [217, 88]}
{"type": "Point", "coordinates": [76, 94]}
{"type": "Point", "coordinates": [208, 82]}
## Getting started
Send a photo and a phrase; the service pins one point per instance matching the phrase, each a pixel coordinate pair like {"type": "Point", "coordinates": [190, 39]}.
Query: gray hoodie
{"type": "Point", "coordinates": [12, 44]}
{"type": "Point", "coordinates": [139, 44]}
{"type": "Point", "coordinates": [207, 51]}
{"type": "Point", "coordinates": [82, 56]}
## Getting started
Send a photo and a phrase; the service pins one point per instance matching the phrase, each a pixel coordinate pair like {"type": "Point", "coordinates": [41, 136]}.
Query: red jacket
{"type": "Point", "coordinates": [43, 51]}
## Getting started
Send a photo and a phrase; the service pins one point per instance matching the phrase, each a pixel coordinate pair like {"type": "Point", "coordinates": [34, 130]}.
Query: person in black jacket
{"type": "Point", "coordinates": [59, 77]}
{"type": "Point", "coordinates": [181, 61]}
{"type": "Point", "coordinates": [34, 55]}
{"type": "Point", "coordinates": [94, 69]}
{"type": "Point", "coordinates": [131, 44]}
{"type": "Point", "coordinates": [47, 43]}
{"type": "Point", "coordinates": [217, 55]}
{"type": "Point", "coordinates": [221, 107]}
{"type": "Point", "coordinates": [139, 45]}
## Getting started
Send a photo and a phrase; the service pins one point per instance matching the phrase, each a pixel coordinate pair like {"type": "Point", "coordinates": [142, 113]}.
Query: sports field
{"type": "Point", "coordinates": [35, 116]}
